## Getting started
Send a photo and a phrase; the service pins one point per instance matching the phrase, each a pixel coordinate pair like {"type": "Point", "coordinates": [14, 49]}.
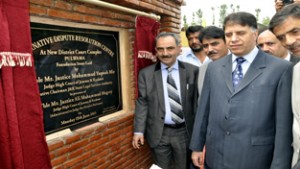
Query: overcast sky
{"type": "Point", "coordinates": [267, 8]}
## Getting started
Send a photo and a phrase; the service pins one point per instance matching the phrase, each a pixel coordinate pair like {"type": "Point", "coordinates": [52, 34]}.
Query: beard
{"type": "Point", "coordinates": [199, 49]}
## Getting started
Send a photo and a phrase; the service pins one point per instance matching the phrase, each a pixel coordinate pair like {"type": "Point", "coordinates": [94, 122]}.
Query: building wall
{"type": "Point", "coordinates": [105, 144]}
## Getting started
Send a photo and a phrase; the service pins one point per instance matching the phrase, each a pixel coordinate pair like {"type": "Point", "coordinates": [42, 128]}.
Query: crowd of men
{"type": "Point", "coordinates": [232, 102]}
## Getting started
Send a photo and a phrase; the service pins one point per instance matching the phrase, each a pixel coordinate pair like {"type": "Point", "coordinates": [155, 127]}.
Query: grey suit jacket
{"type": "Point", "coordinates": [150, 106]}
{"type": "Point", "coordinates": [251, 127]}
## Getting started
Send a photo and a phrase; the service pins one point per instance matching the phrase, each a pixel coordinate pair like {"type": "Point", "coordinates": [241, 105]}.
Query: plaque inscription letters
{"type": "Point", "coordinates": [77, 73]}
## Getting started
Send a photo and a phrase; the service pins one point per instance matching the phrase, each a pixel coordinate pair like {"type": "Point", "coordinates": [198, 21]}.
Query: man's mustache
{"type": "Point", "coordinates": [166, 56]}
{"type": "Point", "coordinates": [212, 52]}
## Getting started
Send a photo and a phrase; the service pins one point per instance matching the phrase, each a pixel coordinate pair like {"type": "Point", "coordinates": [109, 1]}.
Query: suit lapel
{"type": "Point", "coordinates": [182, 77]}
{"type": "Point", "coordinates": [159, 86]}
{"type": "Point", "coordinates": [255, 70]}
{"type": "Point", "coordinates": [227, 66]}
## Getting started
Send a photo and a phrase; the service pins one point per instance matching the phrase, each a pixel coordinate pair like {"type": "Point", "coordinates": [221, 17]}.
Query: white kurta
{"type": "Point", "coordinates": [296, 112]}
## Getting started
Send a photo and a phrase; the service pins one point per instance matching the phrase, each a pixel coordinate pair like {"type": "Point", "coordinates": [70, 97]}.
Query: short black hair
{"type": "Point", "coordinates": [193, 29]}
{"type": "Point", "coordinates": [241, 18]}
{"type": "Point", "coordinates": [212, 32]}
{"type": "Point", "coordinates": [292, 10]}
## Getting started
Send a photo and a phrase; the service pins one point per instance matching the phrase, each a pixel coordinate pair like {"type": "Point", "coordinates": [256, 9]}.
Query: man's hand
{"type": "Point", "coordinates": [197, 157]}
{"type": "Point", "coordinates": [137, 141]}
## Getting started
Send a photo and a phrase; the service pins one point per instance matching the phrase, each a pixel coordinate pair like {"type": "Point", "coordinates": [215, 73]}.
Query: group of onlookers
{"type": "Point", "coordinates": [232, 102]}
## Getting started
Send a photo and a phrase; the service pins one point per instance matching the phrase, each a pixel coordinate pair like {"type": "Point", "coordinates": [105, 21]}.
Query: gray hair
{"type": "Point", "coordinates": [165, 34]}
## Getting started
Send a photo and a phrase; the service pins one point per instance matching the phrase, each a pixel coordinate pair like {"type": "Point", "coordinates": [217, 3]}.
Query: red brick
{"type": "Point", "coordinates": [52, 145]}
{"type": "Point", "coordinates": [62, 151]}
{"type": "Point", "coordinates": [75, 153]}
{"type": "Point", "coordinates": [43, 2]}
{"type": "Point", "coordinates": [38, 10]}
{"type": "Point", "coordinates": [77, 160]}
{"type": "Point", "coordinates": [95, 137]}
{"type": "Point", "coordinates": [91, 145]}
{"type": "Point", "coordinates": [65, 15]}
{"type": "Point", "coordinates": [76, 145]}
{"type": "Point", "coordinates": [72, 138]}
{"type": "Point", "coordinates": [88, 10]}
{"type": "Point", "coordinates": [63, 5]}
{"type": "Point", "coordinates": [59, 160]}
{"type": "Point", "coordinates": [100, 151]}
{"type": "Point", "coordinates": [105, 166]}
{"type": "Point", "coordinates": [90, 19]}
{"type": "Point", "coordinates": [110, 130]}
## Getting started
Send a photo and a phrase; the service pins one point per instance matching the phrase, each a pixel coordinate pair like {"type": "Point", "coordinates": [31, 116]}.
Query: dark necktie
{"type": "Point", "coordinates": [237, 74]}
{"type": "Point", "coordinates": [175, 103]}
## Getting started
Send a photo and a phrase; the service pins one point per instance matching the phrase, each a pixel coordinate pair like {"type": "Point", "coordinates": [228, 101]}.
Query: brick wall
{"type": "Point", "coordinates": [105, 144]}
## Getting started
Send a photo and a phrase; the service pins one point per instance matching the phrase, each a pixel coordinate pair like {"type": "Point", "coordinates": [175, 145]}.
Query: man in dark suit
{"type": "Point", "coordinates": [167, 128]}
{"type": "Point", "coordinates": [244, 118]}
{"type": "Point", "coordinates": [285, 25]}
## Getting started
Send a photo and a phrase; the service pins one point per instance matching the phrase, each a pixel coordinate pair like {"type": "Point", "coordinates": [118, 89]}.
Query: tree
{"type": "Point", "coordinates": [213, 19]}
{"type": "Point", "coordinates": [199, 15]}
{"type": "Point", "coordinates": [238, 8]}
{"type": "Point", "coordinates": [193, 19]}
{"type": "Point", "coordinates": [266, 20]}
{"type": "Point", "coordinates": [257, 11]}
{"type": "Point", "coordinates": [185, 24]}
{"type": "Point", "coordinates": [232, 8]}
{"type": "Point", "coordinates": [223, 13]}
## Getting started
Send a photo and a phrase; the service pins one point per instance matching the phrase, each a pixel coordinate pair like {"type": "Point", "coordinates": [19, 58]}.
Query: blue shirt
{"type": "Point", "coordinates": [189, 57]}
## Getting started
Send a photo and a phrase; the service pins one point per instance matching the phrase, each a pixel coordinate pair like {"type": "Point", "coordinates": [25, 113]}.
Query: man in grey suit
{"type": "Point", "coordinates": [244, 118]}
{"type": "Point", "coordinates": [167, 128]}
{"type": "Point", "coordinates": [214, 46]}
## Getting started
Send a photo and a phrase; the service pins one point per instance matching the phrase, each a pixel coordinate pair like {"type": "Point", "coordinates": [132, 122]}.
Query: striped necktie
{"type": "Point", "coordinates": [174, 99]}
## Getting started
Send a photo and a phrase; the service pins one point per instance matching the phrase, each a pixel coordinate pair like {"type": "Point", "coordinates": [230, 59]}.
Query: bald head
{"type": "Point", "coordinates": [268, 42]}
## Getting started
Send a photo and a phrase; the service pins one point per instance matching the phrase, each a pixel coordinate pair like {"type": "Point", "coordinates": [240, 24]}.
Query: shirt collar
{"type": "Point", "coordinates": [288, 57]}
{"type": "Point", "coordinates": [248, 57]}
{"type": "Point", "coordinates": [175, 66]}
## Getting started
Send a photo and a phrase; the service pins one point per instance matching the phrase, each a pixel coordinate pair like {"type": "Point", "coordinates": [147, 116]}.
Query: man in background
{"type": "Point", "coordinates": [286, 27]}
{"type": "Point", "coordinates": [244, 118]}
{"type": "Point", "coordinates": [166, 104]}
{"type": "Point", "coordinates": [268, 43]}
{"type": "Point", "coordinates": [195, 55]}
{"type": "Point", "coordinates": [279, 4]}
{"type": "Point", "coordinates": [214, 46]}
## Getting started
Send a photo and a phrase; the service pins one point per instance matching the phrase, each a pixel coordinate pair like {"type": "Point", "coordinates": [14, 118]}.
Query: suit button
{"type": "Point", "coordinates": [227, 133]}
{"type": "Point", "coordinates": [228, 100]}
{"type": "Point", "coordinates": [226, 118]}
{"type": "Point", "coordinates": [162, 118]}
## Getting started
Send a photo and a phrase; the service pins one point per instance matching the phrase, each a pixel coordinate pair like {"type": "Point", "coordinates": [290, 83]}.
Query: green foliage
{"type": "Point", "coordinates": [257, 11]}
{"type": "Point", "coordinates": [214, 19]}
{"type": "Point", "coordinates": [193, 19]}
{"type": "Point", "coordinates": [185, 24]}
{"type": "Point", "coordinates": [266, 20]}
{"type": "Point", "coordinates": [223, 13]}
{"type": "Point", "coordinates": [199, 16]}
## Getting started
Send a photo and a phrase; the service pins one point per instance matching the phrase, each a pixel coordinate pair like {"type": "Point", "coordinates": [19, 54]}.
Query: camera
{"type": "Point", "coordinates": [286, 2]}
